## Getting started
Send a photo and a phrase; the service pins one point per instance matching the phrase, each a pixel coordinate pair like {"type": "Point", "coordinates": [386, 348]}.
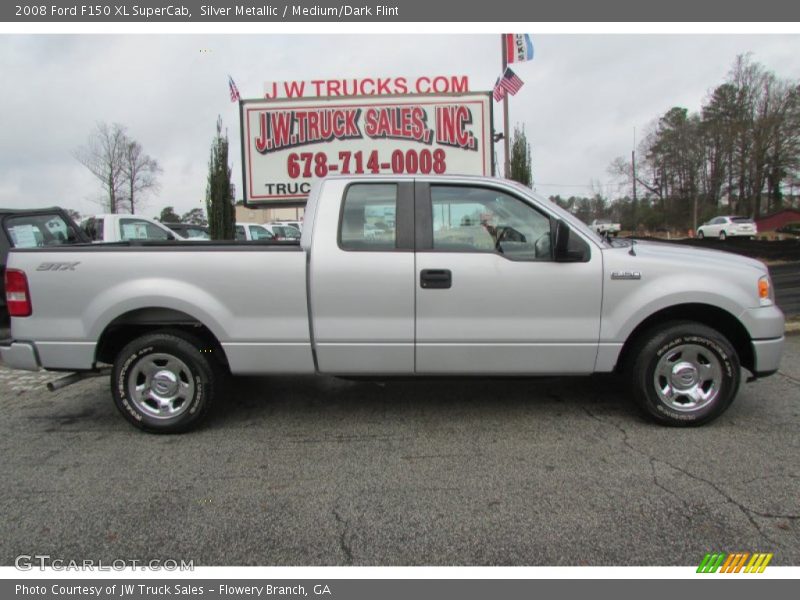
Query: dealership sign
{"type": "Point", "coordinates": [290, 142]}
{"type": "Point", "coordinates": [367, 86]}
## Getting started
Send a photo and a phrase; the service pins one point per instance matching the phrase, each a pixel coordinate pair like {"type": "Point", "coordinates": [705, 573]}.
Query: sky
{"type": "Point", "coordinates": [583, 96]}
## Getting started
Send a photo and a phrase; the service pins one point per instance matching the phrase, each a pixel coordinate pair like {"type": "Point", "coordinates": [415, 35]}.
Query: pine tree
{"type": "Point", "coordinates": [219, 191]}
{"type": "Point", "coordinates": [521, 158]}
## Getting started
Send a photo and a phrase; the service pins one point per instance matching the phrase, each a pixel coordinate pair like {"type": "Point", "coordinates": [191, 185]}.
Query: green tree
{"type": "Point", "coordinates": [195, 217]}
{"type": "Point", "coordinates": [219, 191]}
{"type": "Point", "coordinates": [168, 215]}
{"type": "Point", "coordinates": [520, 158]}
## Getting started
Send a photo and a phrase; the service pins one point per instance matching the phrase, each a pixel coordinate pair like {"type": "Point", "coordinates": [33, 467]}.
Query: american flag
{"type": "Point", "coordinates": [499, 91]}
{"type": "Point", "coordinates": [510, 82]}
{"type": "Point", "coordinates": [235, 97]}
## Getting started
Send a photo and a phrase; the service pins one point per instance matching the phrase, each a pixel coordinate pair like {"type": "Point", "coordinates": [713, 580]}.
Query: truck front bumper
{"type": "Point", "coordinates": [767, 355]}
{"type": "Point", "coordinates": [19, 355]}
{"type": "Point", "coordinates": [766, 328]}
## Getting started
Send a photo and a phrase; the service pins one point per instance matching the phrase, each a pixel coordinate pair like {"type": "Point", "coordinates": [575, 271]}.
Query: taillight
{"type": "Point", "coordinates": [18, 298]}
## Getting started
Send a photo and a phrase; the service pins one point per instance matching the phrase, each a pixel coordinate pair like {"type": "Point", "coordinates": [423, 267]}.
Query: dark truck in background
{"type": "Point", "coordinates": [33, 228]}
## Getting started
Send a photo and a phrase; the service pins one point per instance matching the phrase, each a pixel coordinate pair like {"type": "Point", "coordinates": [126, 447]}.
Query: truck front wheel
{"type": "Point", "coordinates": [165, 382]}
{"type": "Point", "coordinates": [684, 373]}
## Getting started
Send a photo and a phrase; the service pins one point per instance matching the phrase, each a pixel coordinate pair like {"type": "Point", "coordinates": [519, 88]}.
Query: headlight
{"type": "Point", "coordinates": [765, 294]}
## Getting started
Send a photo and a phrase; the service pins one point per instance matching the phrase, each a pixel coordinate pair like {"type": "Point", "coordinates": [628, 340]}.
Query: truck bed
{"type": "Point", "coordinates": [227, 286]}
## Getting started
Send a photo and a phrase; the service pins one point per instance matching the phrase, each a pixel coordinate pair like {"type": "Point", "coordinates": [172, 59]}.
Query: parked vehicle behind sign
{"type": "Point", "coordinates": [113, 227]}
{"type": "Point", "coordinates": [284, 231]}
{"type": "Point", "coordinates": [33, 228]}
{"type": "Point", "coordinates": [253, 232]}
{"type": "Point", "coordinates": [189, 231]}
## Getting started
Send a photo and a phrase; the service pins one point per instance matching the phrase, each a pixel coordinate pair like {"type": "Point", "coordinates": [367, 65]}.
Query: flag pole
{"type": "Point", "coordinates": [507, 157]}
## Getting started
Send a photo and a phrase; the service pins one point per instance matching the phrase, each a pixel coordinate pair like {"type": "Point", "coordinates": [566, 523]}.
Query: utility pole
{"type": "Point", "coordinates": [506, 143]}
{"type": "Point", "coordinates": [633, 170]}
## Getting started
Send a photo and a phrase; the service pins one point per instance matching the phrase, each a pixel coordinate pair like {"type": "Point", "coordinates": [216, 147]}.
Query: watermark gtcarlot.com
{"type": "Point", "coordinates": [44, 562]}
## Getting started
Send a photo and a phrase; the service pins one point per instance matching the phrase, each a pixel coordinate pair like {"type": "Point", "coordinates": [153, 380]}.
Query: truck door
{"type": "Point", "coordinates": [361, 278]}
{"type": "Point", "coordinates": [490, 298]}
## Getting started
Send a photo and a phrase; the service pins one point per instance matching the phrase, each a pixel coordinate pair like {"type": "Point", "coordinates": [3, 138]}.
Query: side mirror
{"type": "Point", "coordinates": [563, 251]}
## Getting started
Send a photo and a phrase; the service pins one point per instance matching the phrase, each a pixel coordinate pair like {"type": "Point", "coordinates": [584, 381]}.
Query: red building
{"type": "Point", "coordinates": [778, 219]}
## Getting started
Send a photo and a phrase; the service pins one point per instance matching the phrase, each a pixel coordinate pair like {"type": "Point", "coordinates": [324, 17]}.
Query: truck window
{"type": "Point", "coordinates": [260, 233]}
{"type": "Point", "coordinates": [138, 229]}
{"type": "Point", "coordinates": [474, 219]}
{"type": "Point", "coordinates": [368, 217]}
{"type": "Point", "coordinates": [93, 228]}
{"type": "Point", "coordinates": [31, 231]}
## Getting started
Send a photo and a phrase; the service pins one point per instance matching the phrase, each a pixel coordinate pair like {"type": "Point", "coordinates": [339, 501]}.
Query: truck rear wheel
{"type": "Point", "coordinates": [684, 373]}
{"type": "Point", "coordinates": [165, 382]}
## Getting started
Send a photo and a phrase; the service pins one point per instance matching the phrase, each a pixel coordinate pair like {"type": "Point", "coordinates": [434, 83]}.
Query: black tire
{"type": "Point", "coordinates": [700, 235]}
{"type": "Point", "coordinates": [723, 236]}
{"type": "Point", "coordinates": [656, 348]}
{"type": "Point", "coordinates": [198, 381]}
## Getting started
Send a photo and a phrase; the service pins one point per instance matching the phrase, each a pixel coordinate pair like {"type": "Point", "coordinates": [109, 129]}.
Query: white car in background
{"type": "Point", "coordinates": [115, 227]}
{"type": "Point", "coordinates": [266, 231]}
{"type": "Point", "coordinates": [253, 231]}
{"type": "Point", "coordinates": [284, 231]}
{"type": "Point", "coordinates": [190, 231]}
{"type": "Point", "coordinates": [725, 227]}
{"type": "Point", "coordinates": [296, 224]}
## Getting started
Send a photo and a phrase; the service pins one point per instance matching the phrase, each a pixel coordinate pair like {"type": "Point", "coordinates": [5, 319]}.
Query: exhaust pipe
{"type": "Point", "coordinates": [75, 378]}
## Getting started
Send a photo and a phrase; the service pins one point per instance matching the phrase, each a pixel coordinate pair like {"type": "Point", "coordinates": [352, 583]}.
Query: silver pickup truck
{"type": "Point", "coordinates": [398, 276]}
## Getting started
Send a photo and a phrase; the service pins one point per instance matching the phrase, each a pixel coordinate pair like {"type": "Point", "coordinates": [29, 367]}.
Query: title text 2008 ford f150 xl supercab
{"type": "Point", "coordinates": [395, 277]}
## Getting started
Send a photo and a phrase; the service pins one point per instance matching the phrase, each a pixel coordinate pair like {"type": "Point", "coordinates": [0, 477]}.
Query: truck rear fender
{"type": "Point", "coordinates": [155, 302]}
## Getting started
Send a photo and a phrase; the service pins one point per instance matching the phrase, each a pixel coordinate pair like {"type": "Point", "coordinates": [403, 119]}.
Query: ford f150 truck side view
{"type": "Point", "coordinates": [398, 276]}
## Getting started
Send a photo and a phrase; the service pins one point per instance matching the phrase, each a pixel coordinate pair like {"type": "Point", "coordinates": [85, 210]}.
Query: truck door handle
{"type": "Point", "coordinates": [436, 279]}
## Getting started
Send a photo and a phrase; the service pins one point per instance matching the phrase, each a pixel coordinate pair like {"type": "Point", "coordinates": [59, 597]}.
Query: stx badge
{"type": "Point", "coordinates": [57, 266]}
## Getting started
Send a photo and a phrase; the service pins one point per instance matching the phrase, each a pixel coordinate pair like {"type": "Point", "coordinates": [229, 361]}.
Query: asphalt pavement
{"type": "Point", "coordinates": [321, 471]}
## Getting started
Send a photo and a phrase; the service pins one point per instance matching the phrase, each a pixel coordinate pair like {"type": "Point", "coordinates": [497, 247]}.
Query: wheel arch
{"type": "Point", "coordinates": [712, 316]}
{"type": "Point", "coordinates": [141, 321]}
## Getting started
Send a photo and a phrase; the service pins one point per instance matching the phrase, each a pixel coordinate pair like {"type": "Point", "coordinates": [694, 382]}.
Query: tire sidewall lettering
{"type": "Point", "coordinates": [674, 341]}
{"type": "Point", "coordinates": [135, 357]}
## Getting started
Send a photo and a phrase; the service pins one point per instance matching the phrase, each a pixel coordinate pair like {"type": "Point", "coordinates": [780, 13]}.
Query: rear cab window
{"type": "Point", "coordinates": [368, 217]}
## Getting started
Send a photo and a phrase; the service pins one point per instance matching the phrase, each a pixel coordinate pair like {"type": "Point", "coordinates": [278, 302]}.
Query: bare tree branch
{"type": "Point", "coordinates": [103, 155]}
